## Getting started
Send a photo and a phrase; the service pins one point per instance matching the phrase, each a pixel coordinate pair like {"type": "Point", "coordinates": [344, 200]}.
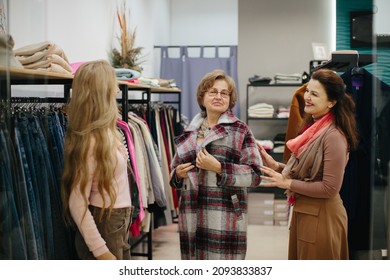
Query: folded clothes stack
{"type": "Point", "coordinates": [125, 74]}
{"type": "Point", "coordinates": [283, 112]}
{"type": "Point", "coordinates": [156, 82]}
{"type": "Point", "coordinates": [259, 80]}
{"type": "Point", "coordinates": [288, 78]}
{"type": "Point", "coordinates": [44, 56]}
{"type": "Point", "coordinates": [261, 110]}
{"type": "Point", "coordinates": [7, 56]}
{"type": "Point", "coordinates": [279, 143]}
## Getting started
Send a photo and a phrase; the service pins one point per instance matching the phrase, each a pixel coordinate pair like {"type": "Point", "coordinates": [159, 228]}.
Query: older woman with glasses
{"type": "Point", "coordinates": [216, 160]}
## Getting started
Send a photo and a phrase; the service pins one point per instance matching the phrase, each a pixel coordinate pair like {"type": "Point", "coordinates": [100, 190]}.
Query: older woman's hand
{"type": "Point", "coordinates": [206, 161]}
{"type": "Point", "coordinates": [182, 169]}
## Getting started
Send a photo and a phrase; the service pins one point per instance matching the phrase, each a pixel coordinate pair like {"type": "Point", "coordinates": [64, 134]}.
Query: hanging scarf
{"type": "Point", "coordinates": [300, 143]}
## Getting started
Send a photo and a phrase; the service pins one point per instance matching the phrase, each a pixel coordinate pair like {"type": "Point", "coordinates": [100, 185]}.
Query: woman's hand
{"type": "Point", "coordinates": [206, 161]}
{"type": "Point", "coordinates": [182, 169]}
{"type": "Point", "coordinates": [106, 256]}
{"type": "Point", "coordinates": [274, 179]}
{"type": "Point", "coordinates": [267, 159]}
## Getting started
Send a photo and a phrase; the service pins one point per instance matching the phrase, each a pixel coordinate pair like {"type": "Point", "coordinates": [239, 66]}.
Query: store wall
{"type": "Point", "coordinates": [200, 23]}
{"type": "Point", "coordinates": [86, 29]}
{"type": "Point", "coordinates": [204, 22]}
{"type": "Point", "coordinates": [381, 10]}
{"type": "Point", "coordinates": [276, 37]}
{"type": "Point", "coordinates": [273, 36]}
{"type": "Point", "coordinates": [82, 30]}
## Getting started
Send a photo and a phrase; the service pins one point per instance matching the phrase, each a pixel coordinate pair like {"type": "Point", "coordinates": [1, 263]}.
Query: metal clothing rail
{"type": "Point", "coordinates": [195, 46]}
{"type": "Point", "coordinates": [342, 62]}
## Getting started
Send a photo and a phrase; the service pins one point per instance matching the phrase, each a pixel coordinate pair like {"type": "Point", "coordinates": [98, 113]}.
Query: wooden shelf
{"type": "Point", "coordinates": [30, 76]}
{"type": "Point", "coordinates": [268, 119]}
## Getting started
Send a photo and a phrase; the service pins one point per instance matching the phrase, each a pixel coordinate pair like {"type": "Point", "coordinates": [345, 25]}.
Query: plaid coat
{"type": "Point", "coordinates": [213, 208]}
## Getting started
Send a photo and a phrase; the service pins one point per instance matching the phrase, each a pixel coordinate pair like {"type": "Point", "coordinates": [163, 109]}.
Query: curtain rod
{"type": "Point", "coordinates": [195, 46]}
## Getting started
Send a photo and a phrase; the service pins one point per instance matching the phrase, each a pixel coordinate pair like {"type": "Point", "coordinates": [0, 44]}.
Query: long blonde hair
{"type": "Point", "coordinates": [92, 115]}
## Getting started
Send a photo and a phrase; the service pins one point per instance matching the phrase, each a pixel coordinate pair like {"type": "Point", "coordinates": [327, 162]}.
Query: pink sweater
{"type": "Point", "coordinates": [86, 224]}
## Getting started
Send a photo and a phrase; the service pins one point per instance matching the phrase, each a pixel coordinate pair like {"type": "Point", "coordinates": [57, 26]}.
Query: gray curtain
{"type": "Point", "coordinates": [188, 70]}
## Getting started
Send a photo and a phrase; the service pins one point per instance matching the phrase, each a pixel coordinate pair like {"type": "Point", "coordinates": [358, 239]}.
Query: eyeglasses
{"type": "Point", "coordinates": [213, 92]}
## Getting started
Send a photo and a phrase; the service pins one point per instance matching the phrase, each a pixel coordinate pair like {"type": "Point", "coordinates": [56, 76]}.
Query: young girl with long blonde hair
{"type": "Point", "coordinates": [95, 187]}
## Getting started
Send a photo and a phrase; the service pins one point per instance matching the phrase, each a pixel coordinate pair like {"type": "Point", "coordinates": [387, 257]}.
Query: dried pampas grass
{"type": "Point", "coordinates": [128, 56]}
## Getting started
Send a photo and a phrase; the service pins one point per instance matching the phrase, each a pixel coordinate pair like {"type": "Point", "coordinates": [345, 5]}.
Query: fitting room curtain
{"type": "Point", "coordinates": [188, 70]}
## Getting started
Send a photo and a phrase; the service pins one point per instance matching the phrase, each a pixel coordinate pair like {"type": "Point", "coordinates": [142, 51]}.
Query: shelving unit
{"type": "Point", "coordinates": [16, 76]}
{"type": "Point", "coordinates": [273, 94]}
{"type": "Point", "coordinates": [267, 128]}
{"type": "Point", "coordinates": [146, 96]}
{"type": "Point", "coordinates": [275, 100]}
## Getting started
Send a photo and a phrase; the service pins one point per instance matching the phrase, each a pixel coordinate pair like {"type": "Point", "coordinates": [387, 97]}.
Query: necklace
{"type": "Point", "coordinates": [204, 129]}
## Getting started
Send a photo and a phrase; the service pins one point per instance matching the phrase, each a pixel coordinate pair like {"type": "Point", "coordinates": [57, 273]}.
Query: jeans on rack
{"type": "Point", "coordinates": [63, 121]}
{"type": "Point", "coordinates": [31, 215]}
{"type": "Point", "coordinates": [23, 202]}
{"type": "Point", "coordinates": [24, 146]}
{"type": "Point", "coordinates": [63, 235]}
{"type": "Point", "coordinates": [38, 141]}
{"type": "Point", "coordinates": [53, 123]}
{"type": "Point", "coordinates": [12, 242]}
{"type": "Point", "coordinates": [56, 142]}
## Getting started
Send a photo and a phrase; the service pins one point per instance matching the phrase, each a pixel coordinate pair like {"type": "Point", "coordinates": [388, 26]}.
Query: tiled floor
{"type": "Point", "coordinates": [264, 243]}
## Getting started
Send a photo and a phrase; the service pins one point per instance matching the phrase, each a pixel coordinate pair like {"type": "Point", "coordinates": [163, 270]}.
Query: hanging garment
{"type": "Point", "coordinates": [12, 240]}
{"type": "Point", "coordinates": [357, 185]}
{"type": "Point", "coordinates": [36, 186]}
{"type": "Point", "coordinates": [157, 201]}
{"type": "Point", "coordinates": [136, 191]}
{"type": "Point", "coordinates": [296, 116]}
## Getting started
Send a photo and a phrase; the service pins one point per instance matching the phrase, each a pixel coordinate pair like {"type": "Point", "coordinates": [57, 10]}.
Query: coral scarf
{"type": "Point", "coordinates": [300, 143]}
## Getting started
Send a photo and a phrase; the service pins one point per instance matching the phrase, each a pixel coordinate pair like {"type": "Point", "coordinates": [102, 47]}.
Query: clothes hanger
{"type": "Point", "coordinates": [357, 74]}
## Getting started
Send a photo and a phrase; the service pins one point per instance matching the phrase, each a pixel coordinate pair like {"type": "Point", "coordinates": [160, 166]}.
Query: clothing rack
{"type": "Point", "coordinates": [37, 100]}
{"type": "Point", "coordinates": [343, 61]}
{"type": "Point", "coordinates": [146, 97]}
{"type": "Point", "coordinates": [195, 46]}
{"type": "Point", "coordinates": [16, 76]}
